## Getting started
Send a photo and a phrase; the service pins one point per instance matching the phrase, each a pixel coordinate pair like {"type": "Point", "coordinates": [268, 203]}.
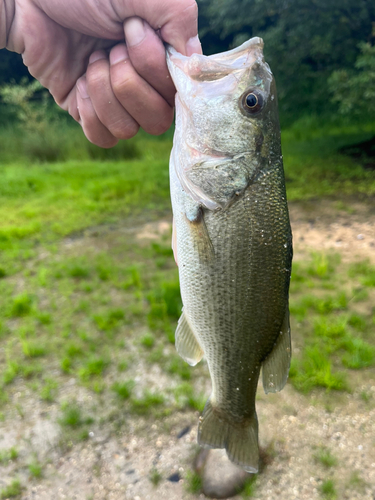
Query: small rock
{"type": "Point", "coordinates": [174, 478]}
{"type": "Point", "coordinates": [184, 431]}
{"type": "Point", "coordinates": [221, 478]}
{"type": "Point", "coordinates": [360, 237]}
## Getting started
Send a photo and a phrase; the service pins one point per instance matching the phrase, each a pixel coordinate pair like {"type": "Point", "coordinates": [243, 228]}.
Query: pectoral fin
{"type": "Point", "coordinates": [201, 238]}
{"type": "Point", "coordinates": [276, 366]}
{"type": "Point", "coordinates": [187, 345]}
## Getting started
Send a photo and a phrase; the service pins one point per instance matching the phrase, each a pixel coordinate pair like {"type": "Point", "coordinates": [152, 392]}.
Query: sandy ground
{"type": "Point", "coordinates": [291, 425]}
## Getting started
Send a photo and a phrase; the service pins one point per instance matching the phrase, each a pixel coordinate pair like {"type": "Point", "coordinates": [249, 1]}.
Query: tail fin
{"type": "Point", "coordinates": [239, 439]}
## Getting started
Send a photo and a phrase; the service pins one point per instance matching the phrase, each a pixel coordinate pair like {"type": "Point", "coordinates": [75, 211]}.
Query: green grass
{"type": "Point", "coordinates": [333, 335]}
{"type": "Point", "coordinates": [13, 490]}
{"type": "Point", "coordinates": [193, 482]}
{"type": "Point", "coordinates": [315, 169]}
{"type": "Point", "coordinates": [123, 389]}
{"type": "Point", "coordinates": [187, 397]}
{"type": "Point", "coordinates": [147, 403]}
{"type": "Point", "coordinates": [35, 469]}
{"type": "Point", "coordinates": [7, 455]}
{"type": "Point", "coordinates": [148, 340]}
{"type": "Point", "coordinates": [155, 476]}
{"type": "Point", "coordinates": [328, 490]}
{"type": "Point", "coordinates": [324, 456]}
{"type": "Point", "coordinates": [356, 482]}
{"type": "Point", "coordinates": [72, 416]}
{"type": "Point", "coordinates": [82, 299]}
{"type": "Point", "coordinates": [249, 488]}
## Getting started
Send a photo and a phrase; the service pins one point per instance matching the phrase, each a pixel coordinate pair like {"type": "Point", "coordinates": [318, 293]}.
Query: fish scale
{"type": "Point", "coordinates": [234, 245]}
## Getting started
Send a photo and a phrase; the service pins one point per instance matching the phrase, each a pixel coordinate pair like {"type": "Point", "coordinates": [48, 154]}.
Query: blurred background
{"type": "Point", "coordinates": [93, 397]}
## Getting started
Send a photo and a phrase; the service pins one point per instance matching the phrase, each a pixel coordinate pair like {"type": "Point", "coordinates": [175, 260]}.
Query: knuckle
{"type": "Point", "coordinates": [122, 83]}
{"type": "Point", "coordinates": [97, 75]}
{"type": "Point", "coordinates": [162, 125]}
{"type": "Point", "coordinates": [126, 131]}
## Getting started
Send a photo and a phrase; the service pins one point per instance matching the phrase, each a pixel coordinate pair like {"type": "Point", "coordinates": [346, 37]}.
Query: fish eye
{"type": "Point", "coordinates": [252, 101]}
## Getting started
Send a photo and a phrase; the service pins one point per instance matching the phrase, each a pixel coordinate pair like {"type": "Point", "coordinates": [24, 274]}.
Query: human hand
{"type": "Point", "coordinates": [76, 49]}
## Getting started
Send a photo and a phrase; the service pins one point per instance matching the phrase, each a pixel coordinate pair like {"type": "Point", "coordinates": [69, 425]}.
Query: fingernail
{"type": "Point", "coordinates": [82, 87]}
{"type": "Point", "coordinates": [96, 56]}
{"type": "Point", "coordinates": [118, 54]}
{"type": "Point", "coordinates": [134, 31]}
{"type": "Point", "coordinates": [193, 46]}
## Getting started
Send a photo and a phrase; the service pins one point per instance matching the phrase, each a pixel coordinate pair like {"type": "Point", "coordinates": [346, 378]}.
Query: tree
{"type": "Point", "coordinates": [354, 89]}
{"type": "Point", "coordinates": [305, 41]}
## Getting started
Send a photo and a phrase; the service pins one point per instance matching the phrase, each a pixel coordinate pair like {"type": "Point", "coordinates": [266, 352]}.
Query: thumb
{"type": "Point", "coordinates": [176, 20]}
{"type": "Point", "coordinates": [181, 29]}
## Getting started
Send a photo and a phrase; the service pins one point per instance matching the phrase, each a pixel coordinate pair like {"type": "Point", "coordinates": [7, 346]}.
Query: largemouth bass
{"type": "Point", "coordinates": [233, 238]}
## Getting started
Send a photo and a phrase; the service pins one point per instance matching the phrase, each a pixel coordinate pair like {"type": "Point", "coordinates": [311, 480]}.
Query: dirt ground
{"type": "Point", "coordinates": [291, 425]}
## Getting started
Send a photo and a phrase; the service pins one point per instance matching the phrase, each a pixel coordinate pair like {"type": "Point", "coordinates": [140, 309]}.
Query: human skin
{"type": "Point", "coordinates": [76, 49]}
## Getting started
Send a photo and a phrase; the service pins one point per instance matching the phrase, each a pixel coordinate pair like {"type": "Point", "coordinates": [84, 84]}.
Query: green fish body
{"type": "Point", "coordinates": [233, 238]}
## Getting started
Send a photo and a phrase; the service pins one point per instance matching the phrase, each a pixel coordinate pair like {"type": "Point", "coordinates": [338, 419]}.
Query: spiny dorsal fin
{"type": "Point", "coordinates": [276, 366]}
{"type": "Point", "coordinates": [186, 344]}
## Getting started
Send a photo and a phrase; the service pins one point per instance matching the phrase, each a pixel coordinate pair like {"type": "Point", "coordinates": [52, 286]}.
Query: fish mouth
{"type": "Point", "coordinates": [213, 67]}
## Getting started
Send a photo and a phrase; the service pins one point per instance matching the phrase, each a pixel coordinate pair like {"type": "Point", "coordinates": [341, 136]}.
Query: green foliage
{"type": "Point", "coordinates": [21, 305]}
{"type": "Point", "coordinates": [178, 366]}
{"type": "Point", "coordinates": [110, 319]}
{"type": "Point", "coordinates": [147, 403]}
{"type": "Point", "coordinates": [6, 455]}
{"type": "Point", "coordinates": [49, 390]}
{"type": "Point", "coordinates": [72, 416]}
{"type": "Point", "coordinates": [123, 389]}
{"type": "Point", "coordinates": [304, 41]}
{"type": "Point", "coordinates": [328, 490]}
{"type": "Point", "coordinates": [356, 481]}
{"type": "Point", "coordinates": [48, 138]}
{"type": "Point", "coordinates": [360, 354]}
{"type": "Point", "coordinates": [36, 469]}
{"type": "Point", "coordinates": [155, 476]}
{"type": "Point", "coordinates": [249, 487]}
{"type": "Point", "coordinates": [93, 367]}
{"type": "Point", "coordinates": [33, 349]}
{"type": "Point", "coordinates": [193, 482]}
{"type": "Point", "coordinates": [187, 397]}
{"type": "Point", "coordinates": [13, 490]}
{"type": "Point", "coordinates": [354, 90]}
{"type": "Point", "coordinates": [148, 340]}
{"type": "Point", "coordinates": [325, 457]}
{"type": "Point", "coordinates": [315, 370]}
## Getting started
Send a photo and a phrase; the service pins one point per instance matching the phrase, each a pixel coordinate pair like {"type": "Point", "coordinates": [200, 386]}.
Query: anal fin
{"type": "Point", "coordinates": [187, 345]}
{"type": "Point", "coordinates": [275, 368]}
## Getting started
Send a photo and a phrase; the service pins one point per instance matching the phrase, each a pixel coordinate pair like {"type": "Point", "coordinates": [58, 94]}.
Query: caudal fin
{"type": "Point", "coordinates": [239, 439]}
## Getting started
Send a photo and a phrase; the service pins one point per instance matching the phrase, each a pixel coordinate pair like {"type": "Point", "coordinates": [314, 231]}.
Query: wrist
{"type": "Point", "coordinates": [7, 8]}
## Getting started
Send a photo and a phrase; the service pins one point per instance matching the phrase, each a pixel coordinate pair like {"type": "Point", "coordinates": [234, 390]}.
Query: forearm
{"type": "Point", "coordinates": [6, 18]}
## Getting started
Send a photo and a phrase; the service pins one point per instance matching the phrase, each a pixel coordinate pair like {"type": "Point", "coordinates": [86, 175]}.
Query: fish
{"type": "Point", "coordinates": [232, 238]}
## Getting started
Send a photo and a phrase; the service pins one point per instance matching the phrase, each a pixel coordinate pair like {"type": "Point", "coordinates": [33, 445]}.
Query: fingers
{"type": "Point", "coordinates": [181, 29]}
{"type": "Point", "coordinates": [137, 96]}
{"type": "Point", "coordinates": [147, 54]}
{"type": "Point", "coordinates": [110, 112]}
{"type": "Point", "coordinates": [114, 99]}
{"type": "Point", "coordinates": [94, 130]}
{"type": "Point", "coordinates": [177, 20]}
